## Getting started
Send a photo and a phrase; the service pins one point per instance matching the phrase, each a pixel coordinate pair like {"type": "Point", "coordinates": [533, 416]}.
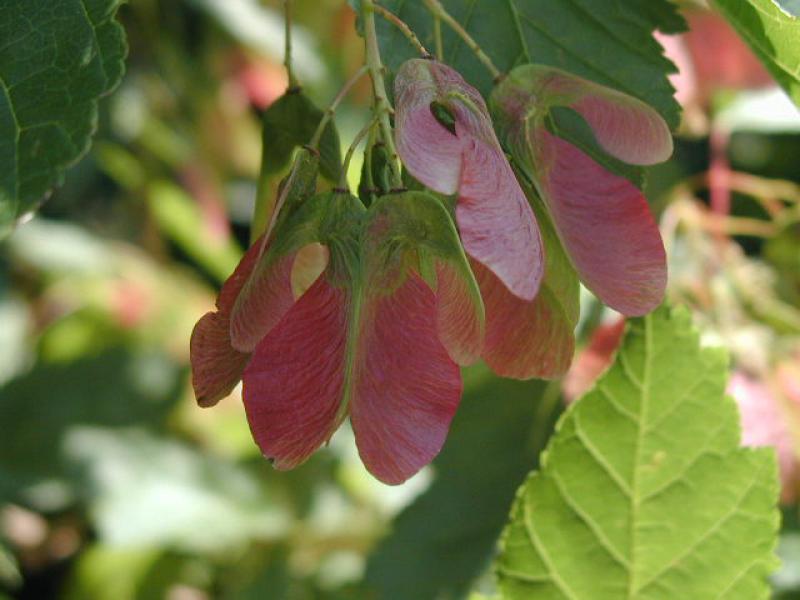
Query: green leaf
{"type": "Point", "coordinates": [772, 34]}
{"type": "Point", "coordinates": [290, 122]}
{"type": "Point", "coordinates": [644, 491]}
{"type": "Point", "coordinates": [443, 541]}
{"type": "Point", "coordinates": [608, 42]}
{"type": "Point", "coordinates": [57, 58]}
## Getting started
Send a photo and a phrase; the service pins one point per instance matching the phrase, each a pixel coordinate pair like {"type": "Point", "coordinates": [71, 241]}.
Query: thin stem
{"type": "Point", "coordinates": [439, 11]}
{"type": "Point", "coordinates": [382, 107]}
{"type": "Point", "coordinates": [759, 186]}
{"type": "Point", "coordinates": [404, 29]}
{"type": "Point", "coordinates": [437, 37]}
{"type": "Point", "coordinates": [287, 53]}
{"type": "Point", "coordinates": [724, 224]}
{"type": "Point", "coordinates": [368, 162]}
{"type": "Point", "coordinates": [770, 193]}
{"type": "Point", "coordinates": [343, 185]}
{"type": "Point", "coordinates": [323, 122]}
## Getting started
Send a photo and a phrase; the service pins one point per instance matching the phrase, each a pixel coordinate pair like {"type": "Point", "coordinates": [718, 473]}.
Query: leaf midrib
{"type": "Point", "coordinates": [641, 425]}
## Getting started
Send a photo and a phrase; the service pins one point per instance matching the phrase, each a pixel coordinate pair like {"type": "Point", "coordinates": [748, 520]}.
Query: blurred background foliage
{"type": "Point", "coordinates": [114, 485]}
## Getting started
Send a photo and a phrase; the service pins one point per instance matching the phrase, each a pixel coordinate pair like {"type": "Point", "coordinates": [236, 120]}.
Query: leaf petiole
{"type": "Point", "coordinates": [326, 118]}
{"type": "Point", "coordinates": [437, 36]}
{"type": "Point", "coordinates": [367, 129]}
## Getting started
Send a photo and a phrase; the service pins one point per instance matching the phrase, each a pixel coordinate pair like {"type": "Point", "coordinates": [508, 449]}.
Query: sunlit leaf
{"type": "Point", "coordinates": [644, 491]}
{"type": "Point", "coordinates": [772, 33]}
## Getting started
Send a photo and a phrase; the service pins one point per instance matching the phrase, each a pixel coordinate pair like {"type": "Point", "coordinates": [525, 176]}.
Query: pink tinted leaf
{"type": "Point", "coordinates": [268, 294]}
{"type": "Point", "coordinates": [429, 151]}
{"type": "Point", "coordinates": [606, 226]}
{"type": "Point", "coordinates": [406, 388]}
{"type": "Point", "coordinates": [413, 231]}
{"type": "Point", "coordinates": [267, 298]}
{"type": "Point", "coordinates": [524, 339]}
{"type": "Point", "coordinates": [216, 366]}
{"type": "Point", "coordinates": [234, 284]}
{"type": "Point", "coordinates": [497, 225]}
{"type": "Point", "coordinates": [459, 314]}
{"type": "Point", "coordinates": [294, 385]}
{"type": "Point", "coordinates": [422, 86]}
{"type": "Point", "coordinates": [625, 127]}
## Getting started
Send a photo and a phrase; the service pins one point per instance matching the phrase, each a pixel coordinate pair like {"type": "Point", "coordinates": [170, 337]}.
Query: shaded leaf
{"type": "Point", "coordinates": [772, 34]}
{"type": "Point", "coordinates": [57, 58]}
{"type": "Point", "coordinates": [644, 491]}
{"type": "Point", "coordinates": [442, 541]}
{"type": "Point", "coordinates": [290, 122]}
